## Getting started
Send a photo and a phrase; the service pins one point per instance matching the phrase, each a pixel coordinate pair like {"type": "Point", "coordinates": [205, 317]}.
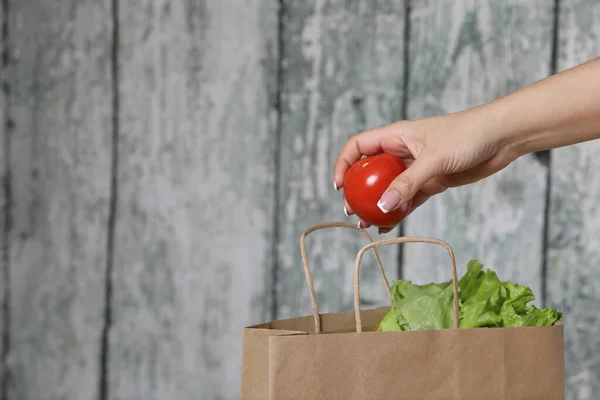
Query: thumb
{"type": "Point", "coordinates": [407, 184]}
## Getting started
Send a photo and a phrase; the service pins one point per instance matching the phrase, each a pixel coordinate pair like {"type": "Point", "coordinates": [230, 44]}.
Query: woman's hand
{"type": "Point", "coordinates": [461, 148]}
{"type": "Point", "coordinates": [440, 152]}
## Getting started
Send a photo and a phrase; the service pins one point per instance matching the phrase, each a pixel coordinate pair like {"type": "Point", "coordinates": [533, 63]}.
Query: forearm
{"type": "Point", "coordinates": [561, 110]}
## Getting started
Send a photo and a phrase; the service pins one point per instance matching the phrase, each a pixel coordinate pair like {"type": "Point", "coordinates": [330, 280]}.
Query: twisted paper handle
{"type": "Point", "coordinates": [309, 280]}
{"type": "Point", "coordinates": [399, 240]}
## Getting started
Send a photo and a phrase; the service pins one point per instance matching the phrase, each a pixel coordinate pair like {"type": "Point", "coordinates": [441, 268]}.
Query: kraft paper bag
{"type": "Point", "coordinates": [342, 356]}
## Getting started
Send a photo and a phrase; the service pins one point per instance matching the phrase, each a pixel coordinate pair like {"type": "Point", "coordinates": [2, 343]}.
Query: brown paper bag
{"type": "Point", "coordinates": [341, 356]}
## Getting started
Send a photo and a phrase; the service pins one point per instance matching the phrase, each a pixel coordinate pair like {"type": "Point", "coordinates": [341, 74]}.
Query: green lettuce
{"type": "Point", "coordinates": [484, 301]}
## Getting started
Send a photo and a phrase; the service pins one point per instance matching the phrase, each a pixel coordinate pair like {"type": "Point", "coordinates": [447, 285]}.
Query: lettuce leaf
{"type": "Point", "coordinates": [485, 301]}
{"type": "Point", "coordinates": [419, 307]}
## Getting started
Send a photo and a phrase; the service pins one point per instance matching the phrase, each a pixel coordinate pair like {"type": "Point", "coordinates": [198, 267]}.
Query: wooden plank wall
{"type": "Point", "coordinates": [160, 159]}
{"type": "Point", "coordinates": [58, 133]}
{"type": "Point", "coordinates": [573, 273]}
{"type": "Point", "coordinates": [194, 205]}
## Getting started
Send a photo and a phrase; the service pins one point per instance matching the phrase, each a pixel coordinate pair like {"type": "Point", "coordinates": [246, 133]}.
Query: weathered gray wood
{"type": "Point", "coordinates": [195, 208]}
{"type": "Point", "coordinates": [463, 54]}
{"type": "Point", "coordinates": [343, 70]}
{"type": "Point", "coordinates": [60, 161]}
{"type": "Point", "coordinates": [4, 210]}
{"type": "Point", "coordinates": [574, 218]}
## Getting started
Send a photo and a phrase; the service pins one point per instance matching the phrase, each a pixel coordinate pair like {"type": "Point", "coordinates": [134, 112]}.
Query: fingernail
{"type": "Point", "coordinates": [383, 231]}
{"type": "Point", "coordinates": [359, 221]}
{"type": "Point", "coordinates": [346, 211]}
{"type": "Point", "coordinates": [335, 186]}
{"type": "Point", "coordinates": [388, 201]}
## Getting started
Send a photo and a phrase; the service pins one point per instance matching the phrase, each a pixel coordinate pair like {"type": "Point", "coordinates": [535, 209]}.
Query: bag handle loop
{"type": "Point", "coordinates": [399, 240]}
{"type": "Point", "coordinates": [307, 273]}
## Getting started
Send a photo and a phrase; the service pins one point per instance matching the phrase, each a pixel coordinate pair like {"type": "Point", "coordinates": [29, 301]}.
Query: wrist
{"type": "Point", "coordinates": [509, 134]}
{"type": "Point", "coordinates": [487, 125]}
{"type": "Point", "coordinates": [512, 130]}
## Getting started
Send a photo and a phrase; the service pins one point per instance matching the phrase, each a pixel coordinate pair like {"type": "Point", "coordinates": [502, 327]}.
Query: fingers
{"type": "Point", "coordinates": [419, 199]}
{"type": "Point", "coordinates": [367, 143]}
{"type": "Point", "coordinates": [363, 224]}
{"type": "Point", "coordinates": [382, 231]}
{"type": "Point", "coordinates": [347, 209]}
{"type": "Point", "coordinates": [408, 184]}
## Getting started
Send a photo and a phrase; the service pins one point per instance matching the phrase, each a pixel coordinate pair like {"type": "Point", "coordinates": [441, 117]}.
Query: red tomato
{"type": "Point", "coordinates": [364, 183]}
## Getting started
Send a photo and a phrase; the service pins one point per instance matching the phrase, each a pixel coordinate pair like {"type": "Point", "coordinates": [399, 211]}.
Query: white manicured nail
{"type": "Point", "coordinates": [388, 201]}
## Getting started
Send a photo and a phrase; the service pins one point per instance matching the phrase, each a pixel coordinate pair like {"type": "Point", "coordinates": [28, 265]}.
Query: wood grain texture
{"type": "Point", "coordinates": [343, 70]}
{"type": "Point", "coordinates": [195, 210]}
{"type": "Point", "coordinates": [4, 208]}
{"type": "Point", "coordinates": [60, 161]}
{"type": "Point", "coordinates": [463, 54]}
{"type": "Point", "coordinates": [574, 220]}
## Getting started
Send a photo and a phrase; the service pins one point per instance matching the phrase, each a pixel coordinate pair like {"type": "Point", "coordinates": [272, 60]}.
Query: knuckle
{"type": "Point", "coordinates": [405, 183]}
